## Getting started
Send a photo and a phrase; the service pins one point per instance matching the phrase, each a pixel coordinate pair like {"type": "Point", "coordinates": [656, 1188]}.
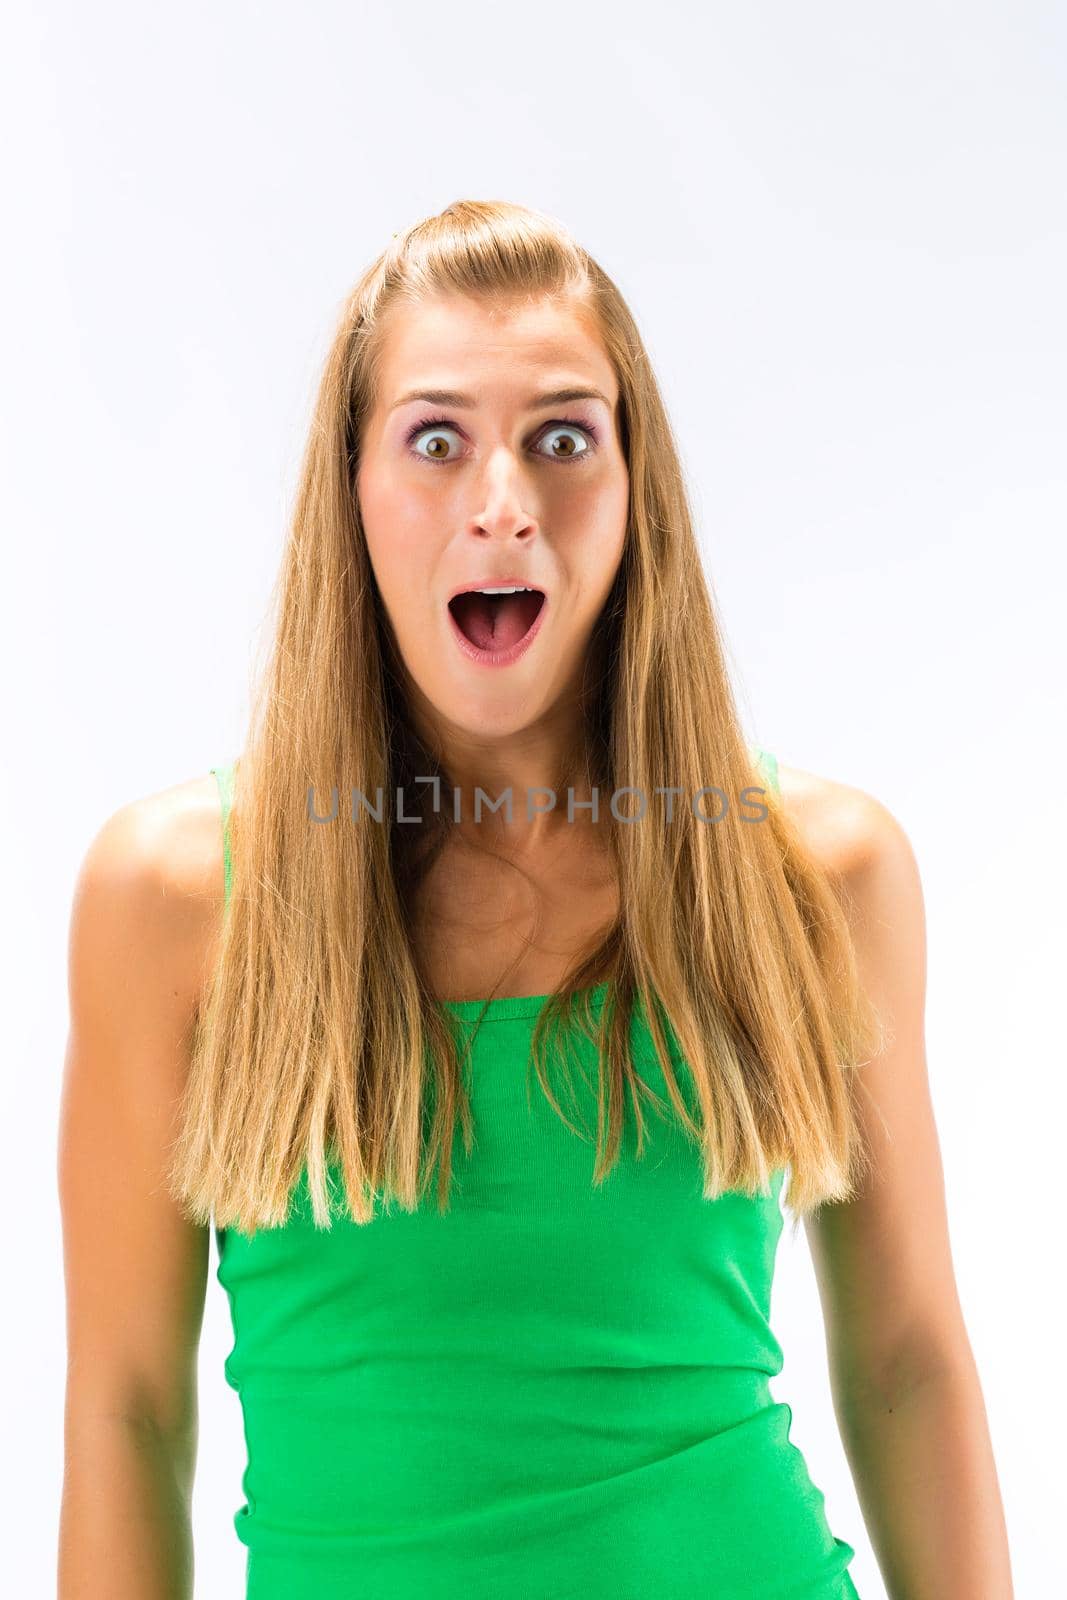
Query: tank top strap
{"type": "Point", "coordinates": [769, 765]}
{"type": "Point", "coordinates": [224, 779]}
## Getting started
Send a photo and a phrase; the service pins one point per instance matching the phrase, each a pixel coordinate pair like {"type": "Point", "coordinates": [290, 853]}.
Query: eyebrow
{"type": "Point", "coordinates": [456, 397]}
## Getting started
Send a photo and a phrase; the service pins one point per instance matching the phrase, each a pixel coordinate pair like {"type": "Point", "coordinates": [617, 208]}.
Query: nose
{"type": "Point", "coordinates": [505, 510]}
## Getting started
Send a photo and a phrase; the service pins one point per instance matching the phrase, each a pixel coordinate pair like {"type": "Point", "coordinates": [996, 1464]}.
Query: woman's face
{"type": "Point", "coordinates": [491, 459]}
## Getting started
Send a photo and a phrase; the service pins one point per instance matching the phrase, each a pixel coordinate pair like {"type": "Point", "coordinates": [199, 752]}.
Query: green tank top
{"type": "Point", "coordinates": [553, 1391]}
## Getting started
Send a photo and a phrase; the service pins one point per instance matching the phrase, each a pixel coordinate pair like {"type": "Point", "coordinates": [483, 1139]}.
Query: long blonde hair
{"type": "Point", "coordinates": [318, 1039]}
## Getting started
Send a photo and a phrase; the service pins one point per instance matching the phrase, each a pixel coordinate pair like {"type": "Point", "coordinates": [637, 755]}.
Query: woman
{"type": "Point", "coordinates": [486, 1027]}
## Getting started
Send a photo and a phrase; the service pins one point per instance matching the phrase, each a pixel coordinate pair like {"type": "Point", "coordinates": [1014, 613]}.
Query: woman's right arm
{"type": "Point", "coordinates": [144, 909]}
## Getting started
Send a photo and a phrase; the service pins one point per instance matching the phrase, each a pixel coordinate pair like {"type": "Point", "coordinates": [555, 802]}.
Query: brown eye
{"type": "Point", "coordinates": [569, 436]}
{"type": "Point", "coordinates": [435, 435]}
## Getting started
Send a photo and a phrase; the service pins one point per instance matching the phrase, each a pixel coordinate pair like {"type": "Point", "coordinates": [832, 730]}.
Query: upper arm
{"type": "Point", "coordinates": [883, 1260]}
{"type": "Point", "coordinates": [135, 1268]}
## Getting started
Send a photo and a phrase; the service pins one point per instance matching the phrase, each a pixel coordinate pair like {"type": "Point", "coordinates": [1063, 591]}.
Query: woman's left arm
{"type": "Point", "coordinates": [905, 1386]}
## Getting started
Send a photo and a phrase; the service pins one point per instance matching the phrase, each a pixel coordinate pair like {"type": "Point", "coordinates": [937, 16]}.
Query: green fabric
{"type": "Point", "coordinates": [554, 1390]}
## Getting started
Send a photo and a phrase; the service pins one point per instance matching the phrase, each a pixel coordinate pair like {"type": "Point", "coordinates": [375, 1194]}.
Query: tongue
{"type": "Point", "coordinates": [496, 622]}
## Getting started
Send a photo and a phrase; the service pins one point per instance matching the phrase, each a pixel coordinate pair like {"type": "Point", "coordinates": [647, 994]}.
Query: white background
{"type": "Point", "coordinates": [843, 232]}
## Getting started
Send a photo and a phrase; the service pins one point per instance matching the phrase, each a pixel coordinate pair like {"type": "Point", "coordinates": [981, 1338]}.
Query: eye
{"type": "Point", "coordinates": [577, 431]}
{"type": "Point", "coordinates": [435, 427]}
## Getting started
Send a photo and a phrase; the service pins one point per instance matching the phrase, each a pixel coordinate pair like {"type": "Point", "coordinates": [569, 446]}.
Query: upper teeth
{"type": "Point", "coordinates": [519, 589]}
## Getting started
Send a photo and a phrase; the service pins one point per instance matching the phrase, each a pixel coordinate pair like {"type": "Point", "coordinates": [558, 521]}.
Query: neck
{"type": "Point", "coordinates": [517, 792]}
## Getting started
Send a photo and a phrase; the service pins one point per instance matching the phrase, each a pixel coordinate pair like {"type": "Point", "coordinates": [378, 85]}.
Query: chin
{"type": "Point", "coordinates": [479, 718]}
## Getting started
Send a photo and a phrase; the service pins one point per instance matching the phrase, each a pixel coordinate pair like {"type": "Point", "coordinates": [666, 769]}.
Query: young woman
{"type": "Point", "coordinates": [484, 1031]}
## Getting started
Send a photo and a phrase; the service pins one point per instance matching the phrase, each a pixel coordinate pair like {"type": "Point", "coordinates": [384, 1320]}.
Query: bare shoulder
{"type": "Point", "coordinates": [851, 833]}
{"type": "Point", "coordinates": [151, 882]}
{"type": "Point", "coordinates": [872, 866]}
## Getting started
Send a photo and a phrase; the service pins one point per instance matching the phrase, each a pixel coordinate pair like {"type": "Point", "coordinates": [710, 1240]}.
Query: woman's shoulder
{"type": "Point", "coordinates": [150, 883]}
{"type": "Point", "coordinates": [844, 827]}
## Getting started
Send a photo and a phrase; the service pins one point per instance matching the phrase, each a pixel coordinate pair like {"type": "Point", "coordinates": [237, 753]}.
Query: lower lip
{"type": "Point", "coordinates": [497, 658]}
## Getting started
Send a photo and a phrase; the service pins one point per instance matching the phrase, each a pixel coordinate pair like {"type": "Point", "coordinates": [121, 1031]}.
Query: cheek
{"type": "Point", "coordinates": [592, 530]}
{"type": "Point", "coordinates": [595, 504]}
{"type": "Point", "coordinates": [397, 526]}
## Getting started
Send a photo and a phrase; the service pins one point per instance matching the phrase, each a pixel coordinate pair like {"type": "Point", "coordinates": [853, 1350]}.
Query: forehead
{"type": "Point", "coordinates": [451, 342]}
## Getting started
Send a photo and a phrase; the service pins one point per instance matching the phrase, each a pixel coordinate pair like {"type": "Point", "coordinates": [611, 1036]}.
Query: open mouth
{"type": "Point", "coordinates": [497, 622]}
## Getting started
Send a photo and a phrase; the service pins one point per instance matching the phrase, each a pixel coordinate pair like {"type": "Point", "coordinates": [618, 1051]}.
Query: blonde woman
{"type": "Point", "coordinates": [481, 1006]}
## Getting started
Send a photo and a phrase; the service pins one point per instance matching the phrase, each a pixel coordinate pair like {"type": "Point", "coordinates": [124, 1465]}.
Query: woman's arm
{"type": "Point", "coordinates": [906, 1391]}
{"type": "Point", "coordinates": [135, 1269]}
